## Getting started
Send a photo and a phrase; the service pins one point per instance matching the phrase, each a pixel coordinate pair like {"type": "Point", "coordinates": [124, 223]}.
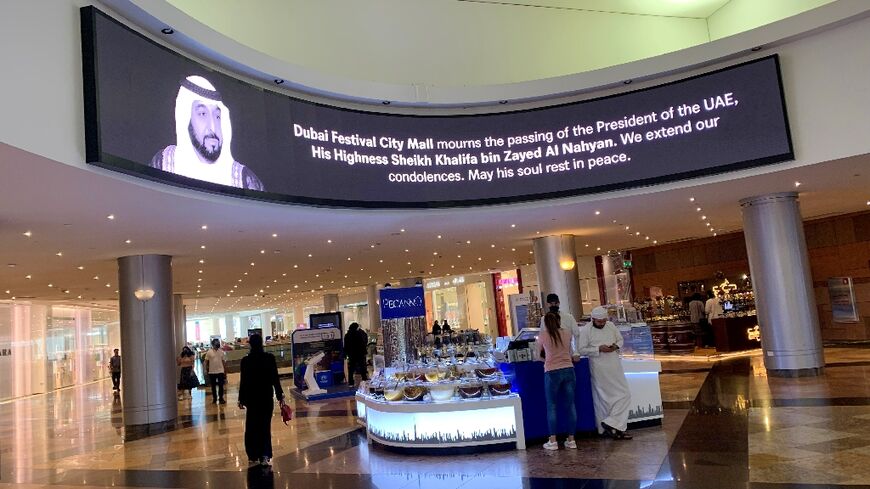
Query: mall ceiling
{"type": "Point", "coordinates": [60, 243]}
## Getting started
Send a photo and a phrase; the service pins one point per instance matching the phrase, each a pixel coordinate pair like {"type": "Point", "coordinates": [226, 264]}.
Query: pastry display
{"type": "Point", "coordinates": [461, 372]}
{"type": "Point", "coordinates": [442, 392]}
{"type": "Point", "coordinates": [470, 391]}
{"type": "Point", "coordinates": [414, 393]}
{"type": "Point", "coordinates": [500, 388]}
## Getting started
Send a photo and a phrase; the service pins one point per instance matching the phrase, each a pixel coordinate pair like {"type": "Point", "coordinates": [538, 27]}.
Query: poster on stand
{"type": "Point", "coordinates": [310, 342]}
{"type": "Point", "coordinates": [843, 306]}
{"type": "Point", "coordinates": [403, 323]}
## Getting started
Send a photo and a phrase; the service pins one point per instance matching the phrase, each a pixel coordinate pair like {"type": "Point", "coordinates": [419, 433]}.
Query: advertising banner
{"type": "Point", "coordinates": [842, 294]}
{"type": "Point", "coordinates": [402, 303]}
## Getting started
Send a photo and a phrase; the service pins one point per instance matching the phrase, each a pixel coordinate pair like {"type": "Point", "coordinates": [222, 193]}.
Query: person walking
{"type": "Point", "coordinates": [600, 340]}
{"type": "Point", "coordinates": [258, 386]}
{"type": "Point", "coordinates": [559, 379]}
{"type": "Point", "coordinates": [216, 366]}
{"type": "Point", "coordinates": [356, 348]}
{"type": "Point", "coordinates": [187, 380]}
{"type": "Point", "coordinates": [115, 369]}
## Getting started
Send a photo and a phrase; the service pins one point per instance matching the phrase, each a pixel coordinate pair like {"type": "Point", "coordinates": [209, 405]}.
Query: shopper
{"type": "Point", "coordinates": [259, 383]}
{"type": "Point", "coordinates": [216, 366]}
{"type": "Point", "coordinates": [713, 310]}
{"type": "Point", "coordinates": [445, 328]}
{"type": "Point", "coordinates": [600, 340]}
{"type": "Point", "coordinates": [566, 319]}
{"type": "Point", "coordinates": [696, 315]}
{"type": "Point", "coordinates": [187, 380]}
{"type": "Point", "coordinates": [115, 369]}
{"type": "Point", "coordinates": [554, 344]}
{"type": "Point", "coordinates": [436, 329]}
{"type": "Point", "coordinates": [356, 347]}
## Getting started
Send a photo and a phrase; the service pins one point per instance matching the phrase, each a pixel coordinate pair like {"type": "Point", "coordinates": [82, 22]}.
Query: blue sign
{"type": "Point", "coordinates": [402, 303]}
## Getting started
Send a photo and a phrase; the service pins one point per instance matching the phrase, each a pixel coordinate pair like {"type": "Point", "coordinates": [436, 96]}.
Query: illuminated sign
{"type": "Point", "coordinates": [434, 284]}
{"type": "Point", "coordinates": [443, 428]}
{"type": "Point", "coordinates": [753, 333]}
{"type": "Point", "coordinates": [508, 282]}
{"type": "Point", "coordinates": [402, 303]}
{"type": "Point", "coordinates": [162, 116]}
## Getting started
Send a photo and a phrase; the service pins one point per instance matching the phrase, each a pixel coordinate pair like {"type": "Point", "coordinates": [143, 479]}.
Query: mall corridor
{"type": "Point", "coordinates": [726, 425]}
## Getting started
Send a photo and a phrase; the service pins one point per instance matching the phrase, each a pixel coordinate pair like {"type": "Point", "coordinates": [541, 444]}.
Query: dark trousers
{"type": "Point", "coordinates": [217, 382]}
{"type": "Point", "coordinates": [258, 430]}
{"type": "Point", "coordinates": [116, 381]}
{"type": "Point", "coordinates": [357, 366]}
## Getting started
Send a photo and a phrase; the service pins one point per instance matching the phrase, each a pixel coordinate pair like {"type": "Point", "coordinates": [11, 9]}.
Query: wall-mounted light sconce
{"type": "Point", "coordinates": [144, 294]}
{"type": "Point", "coordinates": [567, 264]}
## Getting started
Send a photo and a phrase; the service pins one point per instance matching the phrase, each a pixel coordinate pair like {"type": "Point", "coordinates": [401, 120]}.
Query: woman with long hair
{"type": "Point", "coordinates": [559, 380]}
{"type": "Point", "coordinates": [187, 380]}
{"type": "Point", "coordinates": [258, 387]}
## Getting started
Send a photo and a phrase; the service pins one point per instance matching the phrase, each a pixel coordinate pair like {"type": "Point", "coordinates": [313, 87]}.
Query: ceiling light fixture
{"type": "Point", "coordinates": [29, 234]}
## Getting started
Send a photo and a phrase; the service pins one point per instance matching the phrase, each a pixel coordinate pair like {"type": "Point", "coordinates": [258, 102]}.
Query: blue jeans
{"type": "Point", "coordinates": [559, 387]}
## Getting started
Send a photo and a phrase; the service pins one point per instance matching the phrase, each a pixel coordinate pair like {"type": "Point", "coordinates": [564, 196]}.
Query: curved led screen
{"type": "Point", "coordinates": [155, 113]}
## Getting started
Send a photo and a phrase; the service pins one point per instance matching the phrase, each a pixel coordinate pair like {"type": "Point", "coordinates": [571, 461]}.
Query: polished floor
{"type": "Point", "coordinates": [727, 425]}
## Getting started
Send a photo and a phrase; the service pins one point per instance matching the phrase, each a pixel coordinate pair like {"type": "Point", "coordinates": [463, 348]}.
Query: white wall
{"type": "Point", "coordinates": [442, 42]}
{"type": "Point", "coordinates": [825, 78]}
{"type": "Point", "coordinates": [741, 15]}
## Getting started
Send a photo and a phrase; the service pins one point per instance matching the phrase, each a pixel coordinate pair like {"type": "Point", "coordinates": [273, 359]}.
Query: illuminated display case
{"type": "Point", "coordinates": [449, 403]}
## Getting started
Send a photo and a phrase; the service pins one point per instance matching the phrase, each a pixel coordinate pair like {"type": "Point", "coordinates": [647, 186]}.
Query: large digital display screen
{"type": "Point", "coordinates": [155, 113]}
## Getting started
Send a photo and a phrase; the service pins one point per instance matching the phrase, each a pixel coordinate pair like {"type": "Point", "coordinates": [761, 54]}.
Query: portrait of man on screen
{"type": "Point", "coordinates": [203, 139]}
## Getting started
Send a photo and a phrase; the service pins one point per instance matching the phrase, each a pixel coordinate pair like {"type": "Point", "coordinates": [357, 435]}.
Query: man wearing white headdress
{"type": "Point", "coordinates": [203, 138]}
{"type": "Point", "coordinates": [600, 340]}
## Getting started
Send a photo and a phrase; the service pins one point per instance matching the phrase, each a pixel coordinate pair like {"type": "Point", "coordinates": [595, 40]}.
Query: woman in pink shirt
{"type": "Point", "coordinates": [559, 379]}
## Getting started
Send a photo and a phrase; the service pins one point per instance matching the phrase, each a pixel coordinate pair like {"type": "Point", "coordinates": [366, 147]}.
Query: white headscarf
{"type": "Point", "coordinates": [599, 313]}
{"type": "Point", "coordinates": [187, 161]}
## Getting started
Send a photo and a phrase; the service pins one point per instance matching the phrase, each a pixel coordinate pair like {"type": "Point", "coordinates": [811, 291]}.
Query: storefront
{"type": "Point", "coordinates": [46, 347]}
{"type": "Point", "coordinates": [465, 301]}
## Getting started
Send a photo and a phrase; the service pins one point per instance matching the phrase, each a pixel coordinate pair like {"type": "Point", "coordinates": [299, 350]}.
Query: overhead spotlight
{"type": "Point", "coordinates": [168, 31]}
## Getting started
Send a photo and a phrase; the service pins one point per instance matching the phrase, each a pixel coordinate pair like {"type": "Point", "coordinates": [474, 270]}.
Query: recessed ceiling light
{"type": "Point", "coordinates": [274, 235]}
{"type": "Point", "coordinates": [28, 277]}
{"type": "Point", "coordinates": [797, 184]}
{"type": "Point", "coordinates": [707, 223]}
{"type": "Point", "coordinates": [252, 264]}
{"type": "Point", "coordinates": [59, 253]}
{"type": "Point", "coordinates": [380, 261]}
{"type": "Point", "coordinates": [204, 226]}
{"type": "Point", "coordinates": [96, 277]}
{"type": "Point", "coordinates": [202, 247]}
{"type": "Point", "coordinates": [108, 285]}
{"type": "Point", "coordinates": [50, 285]}
{"type": "Point", "coordinates": [468, 242]}
{"type": "Point", "coordinates": [402, 230]}
{"type": "Point", "coordinates": [295, 266]}
{"type": "Point", "coordinates": [597, 213]}
{"type": "Point", "coordinates": [110, 217]}
{"type": "Point", "coordinates": [691, 199]}
{"type": "Point", "coordinates": [513, 225]}
{"type": "Point", "coordinates": [597, 249]}
{"type": "Point", "coordinates": [28, 233]}
{"type": "Point", "coordinates": [655, 242]}
{"type": "Point", "coordinates": [310, 255]}
{"type": "Point", "coordinates": [697, 209]}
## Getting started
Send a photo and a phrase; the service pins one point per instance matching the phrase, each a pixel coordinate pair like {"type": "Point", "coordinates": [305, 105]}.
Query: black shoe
{"type": "Point", "coordinates": [621, 435]}
{"type": "Point", "coordinates": [222, 401]}
{"type": "Point", "coordinates": [609, 431]}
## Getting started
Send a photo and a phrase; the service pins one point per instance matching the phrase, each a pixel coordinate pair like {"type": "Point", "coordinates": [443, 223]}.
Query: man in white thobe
{"type": "Point", "coordinates": [600, 340]}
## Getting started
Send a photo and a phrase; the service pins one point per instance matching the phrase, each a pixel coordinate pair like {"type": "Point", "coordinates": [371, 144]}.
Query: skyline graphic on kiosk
{"type": "Point", "coordinates": [165, 117]}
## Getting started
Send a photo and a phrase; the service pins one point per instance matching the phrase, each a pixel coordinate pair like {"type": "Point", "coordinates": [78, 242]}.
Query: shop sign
{"type": "Point", "coordinates": [753, 333]}
{"type": "Point", "coordinates": [5, 352]}
{"type": "Point", "coordinates": [402, 303]}
{"type": "Point", "coordinates": [508, 281]}
{"type": "Point", "coordinates": [434, 284]}
{"type": "Point", "coordinates": [842, 293]}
